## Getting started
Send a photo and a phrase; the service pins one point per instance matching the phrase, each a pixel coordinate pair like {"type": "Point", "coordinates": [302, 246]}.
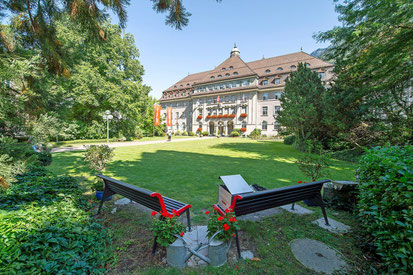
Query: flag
{"type": "Point", "coordinates": [157, 115]}
{"type": "Point", "coordinates": [168, 116]}
{"type": "Point", "coordinates": [218, 99]}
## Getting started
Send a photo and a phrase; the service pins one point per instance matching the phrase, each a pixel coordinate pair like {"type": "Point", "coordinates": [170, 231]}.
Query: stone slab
{"type": "Point", "coordinates": [317, 256]}
{"type": "Point", "coordinates": [335, 226]}
{"type": "Point", "coordinates": [299, 210]}
{"type": "Point", "coordinates": [247, 255]}
{"type": "Point", "coordinates": [260, 215]}
{"type": "Point", "coordinates": [123, 201]}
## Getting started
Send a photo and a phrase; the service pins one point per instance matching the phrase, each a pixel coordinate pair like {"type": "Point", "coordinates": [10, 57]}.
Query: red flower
{"type": "Point", "coordinates": [243, 129]}
{"type": "Point", "coordinates": [300, 181]}
{"type": "Point", "coordinates": [154, 213]}
{"type": "Point", "coordinates": [182, 234]}
{"type": "Point", "coordinates": [226, 210]}
{"type": "Point", "coordinates": [236, 266]}
{"type": "Point", "coordinates": [225, 226]}
{"type": "Point", "coordinates": [207, 212]}
{"type": "Point", "coordinates": [232, 219]}
{"type": "Point", "coordinates": [233, 235]}
{"type": "Point", "coordinates": [220, 218]}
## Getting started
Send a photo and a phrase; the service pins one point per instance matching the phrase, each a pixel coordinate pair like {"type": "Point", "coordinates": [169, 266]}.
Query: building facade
{"type": "Point", "coordinates": [236, 94]}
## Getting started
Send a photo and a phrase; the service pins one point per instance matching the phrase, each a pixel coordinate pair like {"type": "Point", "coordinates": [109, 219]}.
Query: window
{"type": "Point", "coordinates": [182, 85]}
{"type": "Point", "coordinates": [209, 100]}
{"type": "Point", "coordinates": [212, 77]}
{"type": "Point", "coordinates": [244, 109]}
{"type": "Point", "coordinates": [307, 64]}
{"type": "Point", "coordinates": [215, 99]}
{"type": "Point", "coordinates": [233, 98]}
{"type": "Point", "coordinates": [264, 125]}
{"type": "Point", "coordinates": [265, 111]}
{"type": "Point", "coordinates": [244, 124]}
{"type": "Point", "coordinates": [227, 74]}
{"type": "Point", "coordinates": [293, 67]}
{"type": "Point", "coordinates": [228, 85]}
{"type": "Point", "coordinates": [234, 84]}
{"type": "Point", "coordinates": [245, 83]}
{"type": "Point", "coordinates": [231, 67]}
{"type": "Point", "coordinates": [322, 75]}
{"type": "Point", "coordinates": [265, 96]}
{"type": "Point", "coordinates": [200, 125]}
{"type": "Point", "coordinates": [232, 110]}
{"type": "Point", "coordinates": [187, 84]}
{"type": "Point", "coordinates": [279, 69]}
{"type": "Point", "coordinates": [276, 125]}
{"type": "Point", "coordinates": [265, 82]}
{"type": "Point", "coordinates": [277, 80]}
{"type": "Point", "coordinates": [175, 86]}
{"type": "Point", "coordinates": [222, 86]}
{"type": "Point", "coordinates": [267, 71]}
{"type": "Point", "coordinates": [244, 97]}
{"type": "Point", "coordinates": [224, 69]}
{"type": "Point", "coordinates": [226, 111]}
{"type": "Point", "coordinates": [219, 76]}
{"type": "Point", "coordinates": [235, 73]}
{"type": "Point", "coordinates": [277, 96]}
{"type": "Point", "coordinates": [276, 110]}
{"type": "Point", "coordinates": [226, 98]}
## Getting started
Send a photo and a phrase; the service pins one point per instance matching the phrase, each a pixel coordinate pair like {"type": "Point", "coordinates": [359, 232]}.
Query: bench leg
{"type": "Point", "coordinates": [188, 219]}
{"type": "Point", "coordinates": [100, 206]}
{"type": "Point", "coordinates": [292, 206]}
{"type": "Point", "coordinates": [154, 245]}
{"type": "Point", "coordinates": [324, 214]}
{"type": "Point", "coordinates": [237, 242]}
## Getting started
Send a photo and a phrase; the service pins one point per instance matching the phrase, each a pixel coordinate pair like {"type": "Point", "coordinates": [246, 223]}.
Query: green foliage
{"type": "Point", "coordinates": [314, 162]}
{"type": "Point", "coordinates": [227, 225]}
{"type": "Point", "coordinates": [350, 155]}
{"type": "Point", "coordinates": [166, 228]}
{"type": "Point", "coordinates": [178, 133]}
{"type": "Point", "coordinates": [45, 158]}
{"type": "Point", "coordinates": [289, 140]}
{"type": "Point", "coordinates": [45, 228]}
{"type": "Point", "coordinates": [385, 203]}
{"type": "Point", "coordinates": [235, 134]}
{"type": "Point", "coordinates": [238, 130]}
{"type": "Point", "coordinates": [192, 134]}
{"type": "Point", "coordinates": [204, 133]}
{"type": "Point", "coordinates": [185, 133]}
{"type": "Point", "coordinates": [255, 133]}
{"type": "Point", "coordinates": [303, 103]}
{"type": "Point", "coordinates": [98, 156]}
{"type": "Point", "coordinates": [372, 51]}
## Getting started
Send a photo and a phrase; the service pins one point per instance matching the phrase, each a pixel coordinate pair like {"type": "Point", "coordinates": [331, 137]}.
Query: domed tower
{"type": "Point", "coordinates": [235, 51]}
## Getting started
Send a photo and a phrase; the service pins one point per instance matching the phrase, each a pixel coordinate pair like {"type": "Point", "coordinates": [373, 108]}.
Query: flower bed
{"type": "Point", "coordinates": [226, 116]}
{"type": "Point", "coordinates": [213, 116]}
{"type": "Point", "coordinates": [208, 116]}
{"type": "Point", "coordinates": [232, 115]}
{"type": "Point", "coordinates": [243, 115]}
{"type": "Point", "coordinates": [199, 129]}
{"type": "Point", "coordinates": [220, 116]}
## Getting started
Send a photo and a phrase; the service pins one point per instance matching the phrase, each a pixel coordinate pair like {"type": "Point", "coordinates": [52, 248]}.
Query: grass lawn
{"type": "Point", "coordinates": [71, 143]}
{"type": "Point", "coordinates": [188, 171]}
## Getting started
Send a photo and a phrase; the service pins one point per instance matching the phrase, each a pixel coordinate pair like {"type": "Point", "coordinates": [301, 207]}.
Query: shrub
{"type": "Point", "coordinates": [98, 156]}
{"type": "Point", "coordinates": [205, 133]}
{"type": "Point", "coordinates": [314, 161]}
{"type": "Point", "coordinates": [178, 133]}
{"type": "Point", "coordinates": [191, 133]}
{"type": "Point", "coordinates": [350, 155]}
{"type": "Point", "coordinates": [255, 133]}
{"type": "Point", "coordinates": [185, 133]}
{"type": "Point", "coordinates": [45, 158]}
{"type": "Point", "coordinates": [385, 203]}
{"type": "Point", "coordinates": [165, 229]}
{"type": "Point", "coordinates": [234, 134]}
{"type": "Point", "coordinates": [238, 130]}
{"type": "Point", "coordinates": [289, 140]}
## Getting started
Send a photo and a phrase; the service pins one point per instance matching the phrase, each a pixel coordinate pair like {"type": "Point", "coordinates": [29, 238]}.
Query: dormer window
{"type": "Point", "coordinates": [322, 75]}
{"type": "Point", "coordinates": [265, 82]}
{"type": "Point", "coordinates": [227, 74]}
{"type": "Point", "coordinates": [231, 67]}
{"type": "Point", "coordinates": [279, 69]}
{"type": "Point", "coordinates": [187, 84]}
{"type": "Point", "coordinates": [278, 81]}
{"type": "Point", "coordinates": [307, 64]}
{"type": "Point", "coordinates": [235, 73]}
{"type": "Point", "coordinates": [175, 86]}
{"type": "Point", "coordinates": [212, 77]}
{"type": "Point", "coordinates": [219, 76]}
{"type": "Point", "coordinates": [293, 67]}
{"type": "Point", "coordinates": [267, 71]}
{"type": "Point", "coordinates": [182, 85]}
{"type": "Point", "coordinates": [224, 69]}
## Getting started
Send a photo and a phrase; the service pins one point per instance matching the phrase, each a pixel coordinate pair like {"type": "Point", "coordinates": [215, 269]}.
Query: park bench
{"type": "Point", "coordinates": [247, 203]}
{"type": "Point", "coordinates": [152, 200]}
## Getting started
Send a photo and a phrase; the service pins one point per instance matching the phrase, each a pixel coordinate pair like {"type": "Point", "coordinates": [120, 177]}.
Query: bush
{"type": "Point", "coordinates": [185, 133]}
{"type": "Point", "coordinates": [235, 134]}
{"type": "Point", "coordinates": [237, 130]}
{"type": "Point", "coordinates": [45, 158]}
{"type": "Point", "coordinates": [314, 161]}
{"type": "Point", "coordinates": [350, 155]}
{"type": "Point", "coordinates": [385, 203]}
{"type": "Point", "coordinates": [255, 133]}
{"type": "Point", "coordinates": [289, 140]}
{"type": "Point", "coordinates": [138, 133]}
{"type": "Point", "coordinates": [98, 156]}
{"type": "Point", "coordinates": [191, 134]}
{"type": "Point", "coordinates": [204, 133]}
{"type": "Point", "coordinates": [46, 229]}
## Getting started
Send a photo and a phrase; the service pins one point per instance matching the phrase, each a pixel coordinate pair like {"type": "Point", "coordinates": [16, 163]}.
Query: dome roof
{"type": "Point", "coordinates": [235, 50]}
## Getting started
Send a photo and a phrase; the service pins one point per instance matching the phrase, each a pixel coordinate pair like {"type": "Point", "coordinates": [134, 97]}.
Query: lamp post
{"type": "Point", "coordinates": [107, 116]}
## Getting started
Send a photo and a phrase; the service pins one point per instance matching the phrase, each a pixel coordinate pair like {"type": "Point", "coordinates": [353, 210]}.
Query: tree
{"type": "Point", "coordinates": [303, 105]}
{"type": "Point", "coordinates": [373, 63]}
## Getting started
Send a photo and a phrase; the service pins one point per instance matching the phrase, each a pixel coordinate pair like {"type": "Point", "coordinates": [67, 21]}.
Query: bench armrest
{"type": "Point", "coordinates": [232, 206]}
{"type": "Point", "coordinates": [163, 206]}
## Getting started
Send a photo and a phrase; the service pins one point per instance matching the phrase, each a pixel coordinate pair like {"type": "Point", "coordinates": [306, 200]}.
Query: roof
{"type": "Point", "coordinates": [235, 67]}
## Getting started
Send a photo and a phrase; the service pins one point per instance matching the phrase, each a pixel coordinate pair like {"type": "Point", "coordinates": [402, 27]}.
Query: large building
{"type": "Point", "coordinates": [236, 94]}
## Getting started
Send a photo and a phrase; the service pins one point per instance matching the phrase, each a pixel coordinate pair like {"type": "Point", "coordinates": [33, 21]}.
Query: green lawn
{"type": "Point", "coordinates": [188, 171]}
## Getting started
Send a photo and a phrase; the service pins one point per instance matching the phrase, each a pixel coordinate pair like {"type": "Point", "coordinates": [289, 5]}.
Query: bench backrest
{"type": "Point", "coordinates": [257, 201]}
{"type": "Point", "coordinates": [132, 192]}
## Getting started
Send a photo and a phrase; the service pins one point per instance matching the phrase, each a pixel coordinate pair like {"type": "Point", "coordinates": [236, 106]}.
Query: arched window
{"type": "Point", "coordinates": [182, 85]}
{"type": "Point", "coordinates": [279, 69]}
{"type": "Point", "coordinates": [264, 125]}
{"type": "Point", "coordinates": [219, 76]}
{"type": "Point", "coordinates": [224, 69]}
{"type": "Point", "coordinates": [231, 67]}
{"type": "Point", "coordinates": [235, 73]}
{"type": "Point", "coordinates": [307, 64]}
{"type": "Point", "coordinates": [267, 71]}
{"type": "Point", "coordinates": [244, 124]}
{"type": "Point", "coordinates": [212, 77]}
{"type": "Point", "coordinates": [227, 74]}
{"type": "Point", "coordinates": [293, 67]}
{"type": "Point", "coordinates": [187, 84]}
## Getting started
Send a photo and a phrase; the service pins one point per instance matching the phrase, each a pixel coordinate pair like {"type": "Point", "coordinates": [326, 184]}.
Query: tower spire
{"type": "Point", "coordinates": [235, 50]}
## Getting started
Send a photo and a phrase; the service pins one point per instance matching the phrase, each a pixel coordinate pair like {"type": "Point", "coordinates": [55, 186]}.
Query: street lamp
{"type": "Point", "coordinates": [107, 116]}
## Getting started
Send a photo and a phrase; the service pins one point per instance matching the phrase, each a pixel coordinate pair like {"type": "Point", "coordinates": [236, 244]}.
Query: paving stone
{"type": "Point", "coordinates": [297, 209]}
{"type": "Point", "coordinates": [335, 226]}
{"type": "Point", "coordinates": [260, 215]}
{"type": "Point", "coordinates": [247, 255]}
{"type": "Point", "coordinates": [317, 256]}
{"type": "Point", "coordinates": [123, 201]}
